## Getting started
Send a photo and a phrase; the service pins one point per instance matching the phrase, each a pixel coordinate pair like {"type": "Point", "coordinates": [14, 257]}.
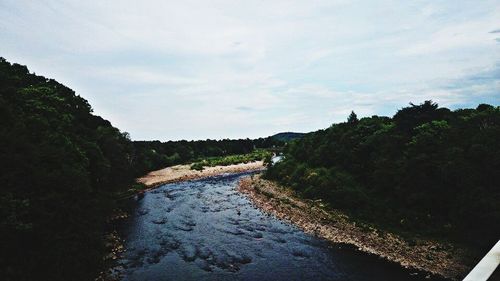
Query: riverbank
{"type": "Point", "coordinates": [334, 226]}
{"type": "Point", "coordinates": [183, 172]}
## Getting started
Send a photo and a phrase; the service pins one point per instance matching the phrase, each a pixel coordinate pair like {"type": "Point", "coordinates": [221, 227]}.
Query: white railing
{"type": "Point", "coordinates": [483, 270]}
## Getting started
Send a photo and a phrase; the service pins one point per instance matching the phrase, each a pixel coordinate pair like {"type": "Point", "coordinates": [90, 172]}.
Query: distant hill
{"type": "Point", "coordinates": [287, 136]}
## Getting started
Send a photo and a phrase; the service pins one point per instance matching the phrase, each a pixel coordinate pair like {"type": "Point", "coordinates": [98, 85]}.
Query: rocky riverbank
{"type": "Point", "coordinates": [312, 216]}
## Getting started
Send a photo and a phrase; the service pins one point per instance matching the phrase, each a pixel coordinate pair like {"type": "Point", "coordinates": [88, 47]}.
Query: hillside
{"type": "Point", "coordinates": [287, 136]}
{"type": "Point", "coordinates": [62, 170]}
{"type": "Point", "coordinates": [60, 167]}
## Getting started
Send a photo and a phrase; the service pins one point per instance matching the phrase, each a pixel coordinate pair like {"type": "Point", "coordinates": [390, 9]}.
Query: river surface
{"type": "Point", "coordinates": [206, 230]}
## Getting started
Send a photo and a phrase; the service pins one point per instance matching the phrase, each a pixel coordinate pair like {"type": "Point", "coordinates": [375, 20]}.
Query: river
{"type": "Point", "coordinates": [206, 230]}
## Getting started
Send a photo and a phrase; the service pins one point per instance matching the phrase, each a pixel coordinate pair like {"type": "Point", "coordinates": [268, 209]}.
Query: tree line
{"type": "Point", "coordinates": [152, 155]}
{"type": "Point", "coordinates": [426, 171]}
{"type": "Point", "coordinates": [61, 168]}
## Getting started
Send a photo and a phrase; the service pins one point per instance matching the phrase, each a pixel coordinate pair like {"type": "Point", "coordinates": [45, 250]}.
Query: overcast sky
{"type": "Point", "coordinates": [215, 69]}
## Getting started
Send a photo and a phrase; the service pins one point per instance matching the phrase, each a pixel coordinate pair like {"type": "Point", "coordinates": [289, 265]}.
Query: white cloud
{"type": "Point", "coordinates": [472, 34]}
{"type": "Point", "coordinates": [186, 69]}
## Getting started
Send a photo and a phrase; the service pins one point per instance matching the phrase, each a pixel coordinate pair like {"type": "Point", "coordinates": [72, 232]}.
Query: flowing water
{"type": "Point", "coordinates": [206, 230]}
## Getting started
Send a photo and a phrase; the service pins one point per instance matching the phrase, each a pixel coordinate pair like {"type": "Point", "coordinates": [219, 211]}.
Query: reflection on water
{"type": "Point", "coordinates": [206, 230]}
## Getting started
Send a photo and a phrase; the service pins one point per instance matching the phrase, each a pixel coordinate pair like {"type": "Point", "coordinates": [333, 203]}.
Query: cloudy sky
{"type": "Point", "coordinates": [215, 69]}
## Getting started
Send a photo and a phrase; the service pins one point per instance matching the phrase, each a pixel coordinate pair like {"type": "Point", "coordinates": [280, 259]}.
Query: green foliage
{"type": "Point", "coordinates": [427, 170]}
{"type": "Point", "coordinates": [63, 170]}
{"type": "Point", "coordinates": [152, 155]}
{"type": "Point", "coordinates": [60, 167]}
{"type": "Point", "coordinates": [256, 155]}
{"type": "Point", "coordinates": [268, 159]}
{"type": "Point", "coordinates": [199, 166]}
{"type": "Point", "coordinates": [353, 118]}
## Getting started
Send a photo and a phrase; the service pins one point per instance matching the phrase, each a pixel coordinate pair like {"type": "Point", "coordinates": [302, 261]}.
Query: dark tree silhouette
{"type": "Point", "coordinates": [353, 118]}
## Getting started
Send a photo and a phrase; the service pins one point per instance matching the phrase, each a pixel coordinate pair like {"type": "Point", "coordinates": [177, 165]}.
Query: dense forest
{"type": "Point", "coordinates": [427, 170]}
{"type": "Point", "coordinates": [62, 169]}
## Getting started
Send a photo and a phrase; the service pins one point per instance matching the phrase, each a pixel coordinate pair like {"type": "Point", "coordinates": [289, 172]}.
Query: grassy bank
{"type": "Point", "coordinates": [256, 155]}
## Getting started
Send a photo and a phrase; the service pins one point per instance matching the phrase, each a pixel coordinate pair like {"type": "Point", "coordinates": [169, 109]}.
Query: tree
{"type": "Point", "coordinates": [434, 169]}
{"type": "Point", "coordinates": [353, 118]}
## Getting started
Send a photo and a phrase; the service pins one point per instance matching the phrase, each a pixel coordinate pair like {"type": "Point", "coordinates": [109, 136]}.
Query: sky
{"type": "Point", "coordinates": [171, 70]}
